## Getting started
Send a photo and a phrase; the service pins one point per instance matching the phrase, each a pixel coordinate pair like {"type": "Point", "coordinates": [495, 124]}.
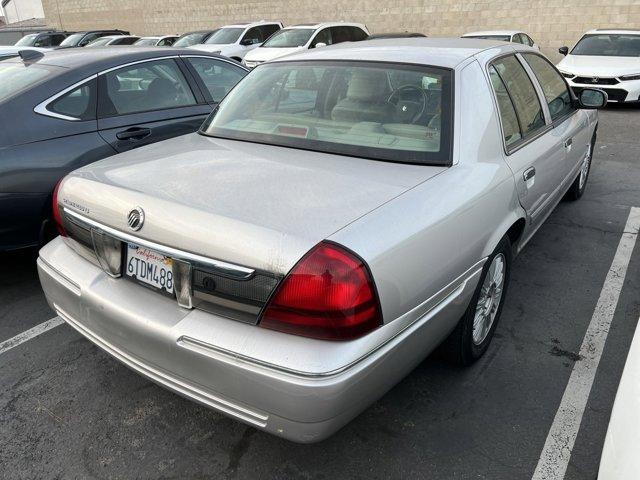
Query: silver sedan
{"type": "Point", "coordinates": [343, 212]}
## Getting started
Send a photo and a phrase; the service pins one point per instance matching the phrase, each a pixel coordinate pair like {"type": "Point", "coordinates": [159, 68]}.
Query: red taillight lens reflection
{"type": "Point", "coordinates": [55, 210]}
{"type": "Point", "coordinates": [329, 294]}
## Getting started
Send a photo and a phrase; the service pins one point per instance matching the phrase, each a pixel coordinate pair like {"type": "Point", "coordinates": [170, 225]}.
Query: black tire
{"type": "Point", "coordinates": [576, 190]}
{"type": "Point", "coordinates": [460, 347]}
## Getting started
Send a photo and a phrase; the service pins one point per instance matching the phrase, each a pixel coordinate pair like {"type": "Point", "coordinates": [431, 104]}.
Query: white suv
{"type": "Point", "coordinates": [605, 59]}
{"type": "Point", "coordinates": [308, 35]}
{"type": "Point", "coordinates": [235, 41]}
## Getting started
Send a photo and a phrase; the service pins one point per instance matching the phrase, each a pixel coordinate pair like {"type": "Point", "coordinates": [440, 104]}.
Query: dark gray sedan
{"type": "Point", "coordinates": [64, 109]}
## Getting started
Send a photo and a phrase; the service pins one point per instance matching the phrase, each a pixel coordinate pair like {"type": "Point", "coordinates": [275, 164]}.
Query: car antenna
{"type": "Point", "coordinates": [30, 55]}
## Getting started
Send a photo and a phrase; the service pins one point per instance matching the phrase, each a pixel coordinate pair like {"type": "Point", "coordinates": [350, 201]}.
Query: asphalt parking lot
{"type": "Point", "coordinates": [68, 410]}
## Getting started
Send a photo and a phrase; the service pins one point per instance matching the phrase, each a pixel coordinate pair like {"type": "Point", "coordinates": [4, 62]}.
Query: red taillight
{"type": "Point", "coordinates": [329, 294]}
{"type": "Point", "coordinates": [55, 210]}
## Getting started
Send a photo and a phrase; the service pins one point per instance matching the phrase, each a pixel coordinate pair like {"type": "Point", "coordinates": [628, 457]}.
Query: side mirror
{"type": "Point", "coordinates": [320, 45]}
{"type": "Point", "coordinates": [564, 51]}
{"type": "Point", "coordinates": [592, 98]}
{"type": "Point", "coordinates": [249, 41]}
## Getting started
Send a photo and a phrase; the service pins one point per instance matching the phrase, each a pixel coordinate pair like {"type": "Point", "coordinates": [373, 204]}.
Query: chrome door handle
{"type": "Point", "coordinates": [529, 173]}
{"type": "Point", "coordinates": [568, 143]}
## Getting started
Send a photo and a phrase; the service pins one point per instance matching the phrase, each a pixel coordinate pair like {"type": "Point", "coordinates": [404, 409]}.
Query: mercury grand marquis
{"type": "Point", "coordinates": [343, 212]}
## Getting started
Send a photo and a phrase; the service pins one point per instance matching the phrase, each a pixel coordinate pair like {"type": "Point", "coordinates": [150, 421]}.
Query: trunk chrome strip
{"type": "Point", "coordinates": [234, 271]}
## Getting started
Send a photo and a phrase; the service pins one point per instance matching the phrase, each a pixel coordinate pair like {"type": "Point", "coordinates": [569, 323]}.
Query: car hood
{"type": "Point", "coordinates": [254, 205]}
{"type": "Point", "coordinates": [264, 54]}
{"type": "Point", "coordinates": [597, 66]}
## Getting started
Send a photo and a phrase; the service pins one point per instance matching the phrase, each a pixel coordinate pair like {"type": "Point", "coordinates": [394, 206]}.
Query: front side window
{"type": "Point", "coordinates": [79, 103]}
{"type": "Point", "coordinates": [373, 110]}
{"type": "Point", "coordinates": [324, 36]}
{"type": "Point", "coordinates": [17, 77]}
{"type": "Point", "coordinates": [253, 36]}
{"type": "Point", "coordinates": [268, 30]}
{"type": "Point", "coordinates": [556, 92]}
{"type": "Point", "coordinates": [224, 36]}
{"type": "Point", "coordinates": [154, 85]}
{"type": "Point", "coordinates": [522, 94]}
{"type": "Point", "coordinates": [218, 77]}
{"type": "Point", "coordinates": [289, 38]}
{"type": "Point", "coordinates": [609, 45]}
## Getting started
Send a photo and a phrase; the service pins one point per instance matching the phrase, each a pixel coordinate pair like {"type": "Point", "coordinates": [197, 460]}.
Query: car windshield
{"type": "Point", "coordinates": [289, 37]}
{"type": "Point", "coordinates": [146, 41]}
{"type": "Point", "coordinates": [100, 42]}
{"type": "Point", "coordinates": [72, 40]}
{"type": "Point", "coordinates": [500, 38]}
{"type": "Point", "coordinates": [190, 39]}
{"type": "Point", "coordinates": [27, 40]}
{"type": "Point", "coordinates": [225, 35]}
{"type": "Point", "coordinates": [16, 77]}
{"type": "Point", "coordinates": [608, 45]}
{"type": "Point", "coordinates": [381, 111]}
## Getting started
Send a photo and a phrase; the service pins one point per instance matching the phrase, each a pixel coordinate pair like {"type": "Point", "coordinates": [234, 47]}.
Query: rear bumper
{"type": "Point", "coordinates": [183, 351]}
{"type": "Point", "coordinates": [21, 219]}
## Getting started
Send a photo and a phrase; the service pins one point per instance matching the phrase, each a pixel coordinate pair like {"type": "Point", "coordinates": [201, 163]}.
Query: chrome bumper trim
{"type": "Point", "coordinates": [234, 271]}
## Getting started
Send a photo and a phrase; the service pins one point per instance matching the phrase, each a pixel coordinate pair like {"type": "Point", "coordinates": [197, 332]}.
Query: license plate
{"type": "Point", "coordinates": [149, 267]}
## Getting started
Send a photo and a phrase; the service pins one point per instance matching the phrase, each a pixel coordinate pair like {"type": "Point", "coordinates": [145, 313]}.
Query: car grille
{"type": "Point", "coordinates": [614, 94]}
{"type": "Point", "coordinates": [596, 81]}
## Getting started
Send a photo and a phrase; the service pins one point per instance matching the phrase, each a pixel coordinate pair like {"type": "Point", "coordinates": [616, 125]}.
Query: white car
{"type": "Point", "coordinates": [607, 59]}
{"type": "Point", "coordinates": [235, 41]}
{"type": "Point", "coordinates": [114, 40]}
{"type": "Point", "coordinates": [514, 36]}
{"type": "Point", "coordinates": [157, 41]}
{"type": "Point", "coordinates": [305, 36]}
{"type": "Point", "coordinates": [620, 459]}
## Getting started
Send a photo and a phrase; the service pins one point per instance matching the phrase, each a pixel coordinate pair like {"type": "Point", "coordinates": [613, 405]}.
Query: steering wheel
{"type": "Point", "coordinates": [406, 111]}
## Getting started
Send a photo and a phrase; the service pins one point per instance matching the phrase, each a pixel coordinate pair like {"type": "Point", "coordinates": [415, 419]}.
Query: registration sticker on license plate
{"type": "Point", "coordinates": [150, 267]}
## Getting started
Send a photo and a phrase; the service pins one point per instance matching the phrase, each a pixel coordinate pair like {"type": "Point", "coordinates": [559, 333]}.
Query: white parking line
{"type": "Point", "coordinates": [29, 334]}
{"type": "Point", "coordinates": [556, 453]}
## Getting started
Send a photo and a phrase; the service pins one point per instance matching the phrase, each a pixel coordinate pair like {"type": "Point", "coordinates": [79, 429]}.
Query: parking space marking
{"type": "Point", "coordinates": [558, 446]}
{"type": "Point", "coordinates": [29, 334]}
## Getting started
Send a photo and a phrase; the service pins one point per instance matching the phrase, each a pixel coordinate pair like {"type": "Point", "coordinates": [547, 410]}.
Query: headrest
{"type": "Point", "coordinates": [367, 85]}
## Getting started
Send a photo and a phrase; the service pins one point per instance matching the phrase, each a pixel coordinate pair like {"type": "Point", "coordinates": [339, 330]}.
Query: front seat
{"type": "Point", "coordinates": [366, 99]}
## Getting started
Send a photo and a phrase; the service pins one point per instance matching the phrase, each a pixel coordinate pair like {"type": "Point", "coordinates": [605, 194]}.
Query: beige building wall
{"type": "Point", "coordinates": [551, 23]}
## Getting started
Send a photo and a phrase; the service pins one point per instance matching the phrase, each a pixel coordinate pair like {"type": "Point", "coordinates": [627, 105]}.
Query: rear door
{"type": "Point", "coordinates": [534, 151]}
{"type": "Point", "coordinates": [568, 122]}
{"type": "Point", "coordinates": [148, 102]}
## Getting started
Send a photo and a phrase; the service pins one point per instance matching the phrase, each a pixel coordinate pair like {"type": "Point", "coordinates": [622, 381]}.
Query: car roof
{"type": "Point", "coordinates": [101, 58]}
{"type": "Point", "coordinates": [494, 32]}
{"type": "Point", "coordinates": [614, 31]}
{"type": "Point", "coordinates": [251, 24]}
{"type": "Point", "coordinates": [443, 52]}
{"type": "Point", "coordinates": [316, 26]}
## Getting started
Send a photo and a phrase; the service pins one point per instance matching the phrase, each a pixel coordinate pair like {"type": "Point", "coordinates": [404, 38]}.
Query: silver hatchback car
{"type": "Point", "coordinates": [342, 213]}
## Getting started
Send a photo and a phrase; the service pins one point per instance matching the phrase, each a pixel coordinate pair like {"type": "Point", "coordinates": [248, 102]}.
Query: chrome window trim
{"type": "Point", "coordinates": [42, 107]}
{"type": "Point", "coordinates": [235, 271]}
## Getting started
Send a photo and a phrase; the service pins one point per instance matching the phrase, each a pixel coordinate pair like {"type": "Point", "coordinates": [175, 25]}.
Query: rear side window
{"type": "Point", "coordinates": [218, 77]}
{"type": "Point", "coordinates": [357, 34]}
{"type": "Point", "coordinates": [522, 94]}
{"type": "Point", "coordinates": [508, 117]}
{"type": "Point", "coordinates": [154, 85]}
{"type": "Point", "coordinates": [17, 77]}
{"type": "Point", "coordinates": [556, 92]}
{"type": "Point", "coordinates": [79, 103]}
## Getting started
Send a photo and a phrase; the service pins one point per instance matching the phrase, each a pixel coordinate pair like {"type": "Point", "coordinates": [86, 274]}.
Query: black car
{"type": "Point", "coordinates": [61, 110]}
{"type": "Point", "coordinates": [82, 39]}
{"type": "Point", "coordinates": [42, 39]}
{"type": "Point", "coordinates": [192, 38]}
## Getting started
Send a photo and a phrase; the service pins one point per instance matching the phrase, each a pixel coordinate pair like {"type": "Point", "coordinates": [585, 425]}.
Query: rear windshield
{"type": "Point", "coordinates": [608, 45]}
{"type": "Point", "coordinates": [288, 38]}
{"type": "Point", "coordinates": [100, 42]}
{"type": "Point", "coordinates": [190, 39]}
{"type": "Point", "coordinates": [381, 111]}
{"type": "Point", "coordinates": [147, 41]}
{"type": "Point", "coordinates": [16, 77]}
{"type": "Point", "coordinates": [225, 35]}
{"type": "Point", "coordinates": [499, 38]}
